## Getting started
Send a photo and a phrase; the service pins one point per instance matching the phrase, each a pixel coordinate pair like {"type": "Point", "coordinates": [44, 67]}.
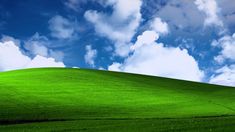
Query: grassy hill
{"type": "Point", "coordinates": [59, 99]}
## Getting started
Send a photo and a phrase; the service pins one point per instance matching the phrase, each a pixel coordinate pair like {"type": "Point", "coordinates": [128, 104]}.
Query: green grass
{"type": "Point", "coordinates": [59, 99]}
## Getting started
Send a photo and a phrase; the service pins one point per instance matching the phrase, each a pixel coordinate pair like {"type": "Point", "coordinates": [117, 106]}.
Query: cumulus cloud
{"type": "Point", "coordinates": [90, 55]}
{"type": "Point", "coordinates": [121, 25]}
{"type": "Point", "coordinates": [211, 10]}
{"type": "Point", "coordinates": [115, 67]}
{"type": "Point", "coordinates": [159, 26]}
{"type": "Point", "coordinates": [227, 43]}
{"type": "Point", "coordinates": [40, 61]}
{"type": "Point", "coordinates": [148, 37]}
{"type": "Point", "coordinates": [152, 58]}
{"type": "Point", "coordinates": [12, 58]}
{"type": "Point", "coordinates": [61, 27]}
{"type": "Point", "coordinates": [224, 76]}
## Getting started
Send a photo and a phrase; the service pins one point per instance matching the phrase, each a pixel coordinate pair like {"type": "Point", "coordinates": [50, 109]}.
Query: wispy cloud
{"type": "Point", "coordinates": [90, 55]}
{"type": "Point", "coordinates": [61, 27]}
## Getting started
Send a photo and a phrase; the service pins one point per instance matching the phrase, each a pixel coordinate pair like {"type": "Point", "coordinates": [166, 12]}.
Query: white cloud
{"type": "Point", "coordinates": [224, 76]}
{"type": "Point", "coordinates": [40, 61]}
{"type": "Point", "coordinates": [153, 58]}
{"type": "Point", "coordinates": [101, 68]}
{"type": "Point", "coordinates": [115, 67]}
{"type": "Point", "coordinates": [122, 49]}
{"type": "Point", "coordinates": [90, 55]}
{"type": "Point", "coordinates": [121, 25]}
{"type": "Point", "coordinates": [61, 27]}
{"type": "Point", "coordinates": [211, 10]}
{"type": "Point", "coordinates": [159, 26]}
{"type": "Point", "coordinates": [148, 37]}
{"type": "Point", "coordinates": [12, 58]}
{"type": "Point", "coordinates": [220, 59]}
{"type": "Point", "coordinates": [227, 43]}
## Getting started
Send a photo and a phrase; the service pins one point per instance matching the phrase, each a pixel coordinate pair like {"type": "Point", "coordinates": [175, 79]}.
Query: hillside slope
{"type": "Point", "coordinates": [60, 95]}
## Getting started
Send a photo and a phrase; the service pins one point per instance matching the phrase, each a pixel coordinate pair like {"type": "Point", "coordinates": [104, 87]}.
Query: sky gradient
{"type": "Point", "coordinates": [184, 39]}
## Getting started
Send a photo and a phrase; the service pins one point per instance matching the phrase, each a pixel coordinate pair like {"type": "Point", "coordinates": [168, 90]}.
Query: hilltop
{"type": "Point", "coordinates": [82, 99]}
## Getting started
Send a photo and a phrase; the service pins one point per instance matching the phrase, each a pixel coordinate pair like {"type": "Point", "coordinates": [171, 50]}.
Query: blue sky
{"type": "Point", "coordinates": [183, 39]}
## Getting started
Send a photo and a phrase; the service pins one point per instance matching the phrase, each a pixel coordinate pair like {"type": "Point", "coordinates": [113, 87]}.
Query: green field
{"type": "Point", "coordinates": [63, 99]}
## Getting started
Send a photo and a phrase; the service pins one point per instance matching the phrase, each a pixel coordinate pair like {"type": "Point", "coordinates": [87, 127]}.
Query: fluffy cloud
{"type": "Point", "coordinates": [61, 27]}
{"type": "Point", "coordinates": [210, 8]}
{"type": "Point", "coordinates": [12, 58]}
{"type": "Point", "coordinates": [121, 25]}
{"type": "Point", "coordinates": [227, 43]}
{"type": "Point", "coordinates": [153, 58]}
{"type": "Point", "coordinates": [159, 26]}
{"type": "Point", "coordinates": [90, 55]}
{"type": "Point", "coordinates": [115, 67]}
{"type": "Point", "coordinates": [40, 61]}
{"type": "Point", "coordinates": [148, 37]}
{"type": "Point", "coordinates": [224, 76]}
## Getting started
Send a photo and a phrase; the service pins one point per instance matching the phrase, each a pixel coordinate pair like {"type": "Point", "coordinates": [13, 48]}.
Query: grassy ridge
{"type": "Point", "coordinates": [85, 96]}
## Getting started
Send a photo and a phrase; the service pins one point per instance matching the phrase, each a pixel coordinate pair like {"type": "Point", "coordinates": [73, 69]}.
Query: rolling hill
{"type": "Point", "coordinates": [64, 99]}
